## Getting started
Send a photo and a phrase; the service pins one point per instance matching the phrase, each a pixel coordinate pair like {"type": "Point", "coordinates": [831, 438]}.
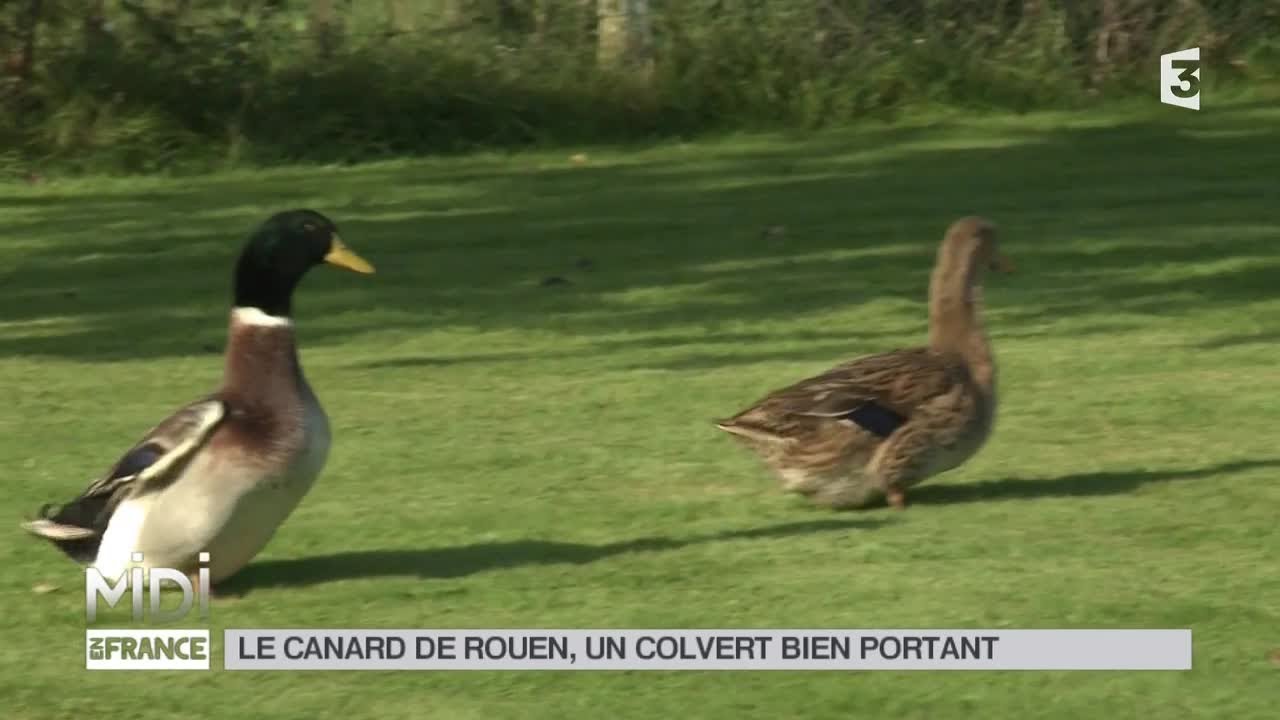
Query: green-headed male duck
{"type": "Point", "coordinates": [221, 474]}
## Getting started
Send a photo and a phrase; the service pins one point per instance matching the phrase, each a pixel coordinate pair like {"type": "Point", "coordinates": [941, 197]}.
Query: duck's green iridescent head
{"type": "Point", "coordinates": [281, 251]}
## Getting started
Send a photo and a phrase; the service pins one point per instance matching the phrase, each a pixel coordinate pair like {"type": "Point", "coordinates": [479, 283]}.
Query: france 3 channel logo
{"type": "Point", "coordinates": [1180, 78]}
{"type": "Point", "coordinates": [147, 648]}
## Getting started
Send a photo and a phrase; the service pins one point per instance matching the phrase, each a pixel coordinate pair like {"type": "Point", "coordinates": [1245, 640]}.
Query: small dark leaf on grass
{"type": "Point", "coordinates": [69, 293]}
{"type": "Point", "coordinates": [583, 263]}
{"type": "Point", "coordinates": [774, 232]}
{"type": "Point", "coordinates": [210, 348]}
{"type": "Point", "coordinates": [554, 280]}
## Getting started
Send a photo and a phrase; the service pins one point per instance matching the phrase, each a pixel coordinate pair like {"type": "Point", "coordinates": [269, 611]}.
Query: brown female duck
{"type": "Point", "coordinates": [875, 426]}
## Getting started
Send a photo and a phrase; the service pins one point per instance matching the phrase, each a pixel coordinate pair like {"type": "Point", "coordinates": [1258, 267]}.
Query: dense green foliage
{"type": "Point", "coordinates": [143, 86]}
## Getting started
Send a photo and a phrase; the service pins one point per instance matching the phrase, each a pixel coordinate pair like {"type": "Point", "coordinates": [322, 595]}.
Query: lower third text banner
{"type": "Point", "coordinates": [707, 649]}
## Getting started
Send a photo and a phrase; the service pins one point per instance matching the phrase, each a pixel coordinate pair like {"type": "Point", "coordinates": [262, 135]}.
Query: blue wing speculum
{"type": "Point", "coordinates": [875, 419]}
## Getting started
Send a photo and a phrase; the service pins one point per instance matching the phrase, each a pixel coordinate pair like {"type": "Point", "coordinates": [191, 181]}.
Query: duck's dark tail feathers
{"type": "Point", "coordinates": [63, 529]}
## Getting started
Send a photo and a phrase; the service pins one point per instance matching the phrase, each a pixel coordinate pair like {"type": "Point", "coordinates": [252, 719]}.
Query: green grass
{"type": "Point", "coordinates": [509, 454]}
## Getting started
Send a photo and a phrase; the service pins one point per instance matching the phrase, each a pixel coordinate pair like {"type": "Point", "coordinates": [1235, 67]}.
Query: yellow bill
{"type": "Point", "coordinates": [342, 256]}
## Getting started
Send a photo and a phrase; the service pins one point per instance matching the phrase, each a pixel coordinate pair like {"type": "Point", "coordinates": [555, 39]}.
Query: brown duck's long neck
{"type": "Point", "coordinates": [261, 357]}
{"type": "Point", "coordinates": [955, 321]}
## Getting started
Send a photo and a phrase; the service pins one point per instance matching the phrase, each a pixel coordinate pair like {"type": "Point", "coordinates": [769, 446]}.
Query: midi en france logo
{"type": "Point", "coordinates": [167, 648]}
{"type": "Point", "coordinates": [147, 648]}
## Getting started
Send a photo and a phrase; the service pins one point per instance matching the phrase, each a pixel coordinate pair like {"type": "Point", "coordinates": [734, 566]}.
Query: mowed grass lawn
{"type": "Point", "coordinates": [512, 453]}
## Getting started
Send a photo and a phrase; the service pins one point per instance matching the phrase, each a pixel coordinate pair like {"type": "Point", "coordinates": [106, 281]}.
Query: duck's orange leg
{"type": "Point", "coordinates": [897, 498]}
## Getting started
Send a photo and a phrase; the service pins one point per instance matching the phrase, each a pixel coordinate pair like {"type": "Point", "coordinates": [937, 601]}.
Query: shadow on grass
{"type": "Point", "coordinates": [1228, 341]}
{"type": "Point", "coordinates": [466, 560]}
{"type": "Point", "coordinates": [1079, 485]}
{"type": "Point", "coordinates": [816, 346]}
{"type": "Point", "coordinates": [1099, 222]}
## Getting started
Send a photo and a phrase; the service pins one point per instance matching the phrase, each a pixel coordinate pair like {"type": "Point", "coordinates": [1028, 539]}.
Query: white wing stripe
{"type": "Point", "coordinates": [210, 415]}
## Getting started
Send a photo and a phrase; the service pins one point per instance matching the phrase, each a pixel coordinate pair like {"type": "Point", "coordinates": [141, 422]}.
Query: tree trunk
{"type": "Point", "coordinates": [623, 33]}
{"type": "Point", "coordinates": [541, 20]}
{"type": "Point", "coordinates": [94, 37]}
{"type": "Point", "coordinates": [451, 12]}
{"type": "Point", "coordinates": [324, 26]}
{"type": "Point", "coordinates": [30, 31]}
{"type": "Point", "coordinates": [1108, 26]}
{"type": "Point", "coordinates": [399, 17]}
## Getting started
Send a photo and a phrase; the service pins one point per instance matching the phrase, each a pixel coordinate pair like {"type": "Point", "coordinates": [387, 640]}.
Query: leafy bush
{"type": "Point", "coordinates": [166, 86]}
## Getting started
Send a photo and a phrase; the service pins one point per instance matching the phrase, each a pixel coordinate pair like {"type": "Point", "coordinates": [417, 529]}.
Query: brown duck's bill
{"type": "Point", "coordinates": [342, 256]}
